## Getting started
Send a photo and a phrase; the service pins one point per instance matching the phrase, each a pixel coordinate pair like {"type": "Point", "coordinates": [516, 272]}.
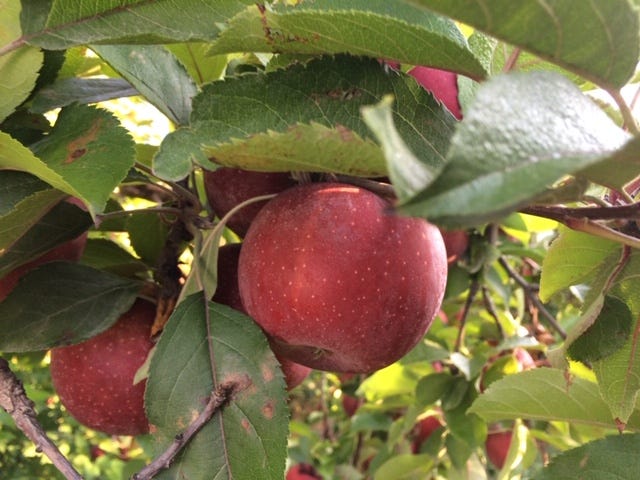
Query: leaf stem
{"type": "Point", "coordinates": [12, 46]}
{"type": "Point", "coordinates": [14, 400]}
{"type": "Point", "coordinates": [627, 115]}
{"type": "Point", "coordinates": [219, 398]}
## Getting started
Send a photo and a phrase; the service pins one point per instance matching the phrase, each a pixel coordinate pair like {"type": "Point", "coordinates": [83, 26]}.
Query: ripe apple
{"type": "Point", "coordinates": [350, 404]}
{"type": "Point", "coordinates": [337, 280]}
{"type": "Point", "coordinates": [228, 293]}
{"type": "Point", "coordinates": [302, 471]}
{"type": "Point", "coordinates": [497, 447]}
{"type": "Point", "coordinates": [423, 430]}
{"type": "Point", "coordinates": [456, 242]}
{"type": "Point", "coordinates": [228, 187]}
{"type": "Point", "coordinates": [94, 379]}
{"type": "Point", "coordinates": [442, 84]}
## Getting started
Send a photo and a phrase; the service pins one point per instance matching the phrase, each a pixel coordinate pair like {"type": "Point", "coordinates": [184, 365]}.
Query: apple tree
{"type": "Point", "coordinates": [479, 322]}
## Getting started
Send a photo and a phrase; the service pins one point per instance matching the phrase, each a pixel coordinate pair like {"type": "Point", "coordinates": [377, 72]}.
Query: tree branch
{"type": "Point", "coordinates": [218, 399]}
{"type": "Point", "coordinates": [14, 400]}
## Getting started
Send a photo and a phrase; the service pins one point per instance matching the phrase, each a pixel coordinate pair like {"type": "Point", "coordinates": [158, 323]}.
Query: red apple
{"type": "Point", "coordinates": [497, 447]}
{"type": "Point", "coordinates": [456, 242]}
{"type": "Point", "coordinates": [442, 84]}
{"type": "Point", "coordinates": [338, 281]}
{"type": "Point", "coordinates": [228, 293]}
{"type": "Point", "coordinates": [94, 379]}
{"type": "Point", "coordinates": [350, 404]}
{"type": "Point", "coordinates": [228, 187]}
{"type": "Point", "coordinates": [302, 471]}
{"type": "Point", "coordinates": [423, 430]}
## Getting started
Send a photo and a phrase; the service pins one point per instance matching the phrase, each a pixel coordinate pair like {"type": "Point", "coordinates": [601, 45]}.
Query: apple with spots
{"type": "Point", "coordinates": [337, 280]}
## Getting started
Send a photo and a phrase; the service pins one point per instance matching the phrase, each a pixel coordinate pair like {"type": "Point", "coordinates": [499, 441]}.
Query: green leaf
{"type": "Point", "coordinates": [408, 174]}
{"type": "Point", "coordinates": [522, 133]}
{"type": "Point", "coordinates": [126, 22]}
{"type": "Point", "coordinates": [18, 68]}
{"type": "Point", "coordinates": [62, 223]}
{"type": "Point", "coordinates": [86, 155]}
{"type": "Point", "coordinates": [544, 394]}
{"type": "Point", "coordinates": [607, 333]}
{"type": "Point", "coordinates": [388, 30]}
{"type": "Point", "coordinates": [147, 233]}
{"type": "Point", "coordinates": [614, 457]}
{"type": "Point", "coordinates": [305, 118]}
{"type": "Point", "coordinates": [106, 255]}
{"type": "Point", "coordinates": [156, 73]}
{"type": "Point", "coordinates": [573, 258]}
{"type": "Point", "coordinates": [599, 40]}
{"type": "Point", "coordinates": [433, 387]}
{"type": "Point", "coordinates": [25, 198]}
{"type": "Point", "coordinates": [619, 169]}
{"type": "Point", "coordinates": [75, 302]}
{"type": "Point", "coordinates": [201, 66]}
{"type": "Point", "coordinates": [197, 352]}
{"type": "Point", "coordinates": [80, 90]}
{"type": "Point", "coordinates": [405, 466]}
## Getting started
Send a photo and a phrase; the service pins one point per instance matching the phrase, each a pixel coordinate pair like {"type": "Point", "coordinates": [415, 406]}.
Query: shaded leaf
{"type": "Point", "coordinates": [86, 155]}
{"type": "Point", "coordinates": [247, 439]}
{"type": "Point", "coordinates": [599, 40]}
{"type": "Point", "coordinates": [106, 255]}
{"type": "Point", "coordinates": [523, 133]}
{"type": "Point", "coordinates": [75, 302]}
{"type": "Point", "coordinates": [405, 467]}
{"type": "Point", "coordinates": [81, 90]}
{"type": "Point", "coordinates": [379, 29]}
{"type": "Point", "coordinates": [156, 73]}
{"type": "Point", "coordinates": [610, 458]}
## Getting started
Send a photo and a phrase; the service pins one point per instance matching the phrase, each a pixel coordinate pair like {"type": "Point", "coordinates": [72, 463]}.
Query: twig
{"type": "Point", "coordinates": [14, 400]}
{"type": "Point", "coordinates": [531, 293]}
{"type": "Point", "coordinates": [625, 111]}
{"type": "Point", "coordinates": [561, 214]}
{"type": "Point", "coordinates": [473, 291]}
{"type": "Point", "coordinates": [490, 306]}
{"type": "Point", "coordinates": [218, 399]}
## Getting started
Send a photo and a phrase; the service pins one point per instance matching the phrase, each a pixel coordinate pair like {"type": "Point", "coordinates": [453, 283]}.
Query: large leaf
{"type": "Point", "coordinates": [610, 458]}
{"type": "Point", "coordinates": [544, 394]}
{"type": "Point", "coordinates": [74, 303]}
{"type": "Point", "coordinates": [203, 346]}
{"type": "Point", "coordinates": [81, 90]}
{"type": "Point", "coordinates": [523, 133]}
{"type": "Point", "coordinates": [305, 118]}
{"type": "Point", "coordinates": [68, 23]}
{"type": "Point", "coordinates": [25, 198]}
{"type": "Point", "coordinates": [86, 155]}
{"type": "Point", "coordinates": [375, 28]}
{"type": "Point", "coordinates": [18, 68]}
{"type": "Point", "coordinates": [157, 75]}
{"type": "Point", "coordinates": [599, 40]}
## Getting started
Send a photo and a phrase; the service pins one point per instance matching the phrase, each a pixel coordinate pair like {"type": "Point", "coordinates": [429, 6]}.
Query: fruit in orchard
{"type": "Point", "coordinates": [337, 280]}
{"type": "Point", "coordinates": [423, 430]}
{"type": "Point", "coordinates": [228, 187]}
{"type": "Point", "coordinates": [94, 379]}
{"type": "Point", "coordinates": [443, 85]}
{"type": "Point", "coordinates": [497, 447]}
{"type": "Point", "coordinates": [350, 404]}
{"type": "Point", "coordinates": [456, 242]}
{"type": "Point", "coordinates": [302, 471]}
{"type": "Point", "coordinates": [228, 293]}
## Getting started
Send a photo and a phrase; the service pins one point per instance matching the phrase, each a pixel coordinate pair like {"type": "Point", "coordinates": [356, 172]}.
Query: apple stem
{"type": "Point", "coordinates": [219, 398]}
{"type": "Point", "coordinates": [14, 400]}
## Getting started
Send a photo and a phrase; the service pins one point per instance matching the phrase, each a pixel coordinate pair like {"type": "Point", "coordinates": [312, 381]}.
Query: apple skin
{"type": "Point", "coordinates": [497, 447]}
{"type": "Point", "coordinates": [94, 379]}
{"type": "Point", "coordinates": [350, 404]}
{"type": "Point", "coordinates": [228, 293]}
{"type": "Point", "coordinates": [227, 187]}
{"type": "Point", "coordinates": [302, 471]}
{"type": "Point", "coordinates": [443, 85]}
{"type": "Point", "coordinates": [338, 281]}
{"type": "Point", "coordinates": [456, 242]}
{"type": "Point", "coordinates": [423, 430]}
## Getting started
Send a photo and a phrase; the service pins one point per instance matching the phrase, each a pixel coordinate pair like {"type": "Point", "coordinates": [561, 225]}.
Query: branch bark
{"type": "Point", "coordinates": [14, 400]}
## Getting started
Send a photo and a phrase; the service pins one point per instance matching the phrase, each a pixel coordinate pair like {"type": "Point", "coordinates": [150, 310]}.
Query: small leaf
{"type": "Point", "coordinates": [86, 155]}
{"type": "Point", "coordinates": [614, 457]}
{"type": "Point", "coordinates": [106, 255]}
{"type": "Point", "coordinates": [388, 30]}
{"type": "Point", "coordinates": [147, 233]}
{"type": "Point", "coordinates": [573, 258]}
{"type": "Point", "coordinates": [405, 466]}
{"type": "Point", "coordinates": [80, 90]}
{"type": "Point", "coordinates": [247, 439]}
{"type": "Point", "coordinates": [607, 334]}
{"type": "Point", "coordinates": [523, 133]}
{"type": "Point", "coordinates": [75, 303]}
{"type": "Point", "coordinates": [156, 73]}
{"type": "Point", "coordinates": [599, 40]}
{"type": "Point", "coordinates": [433, 387]}
{"type": "Point", "coordinates": [201, 66]}
{"type": "Point", "coordinates": [519, 396]}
